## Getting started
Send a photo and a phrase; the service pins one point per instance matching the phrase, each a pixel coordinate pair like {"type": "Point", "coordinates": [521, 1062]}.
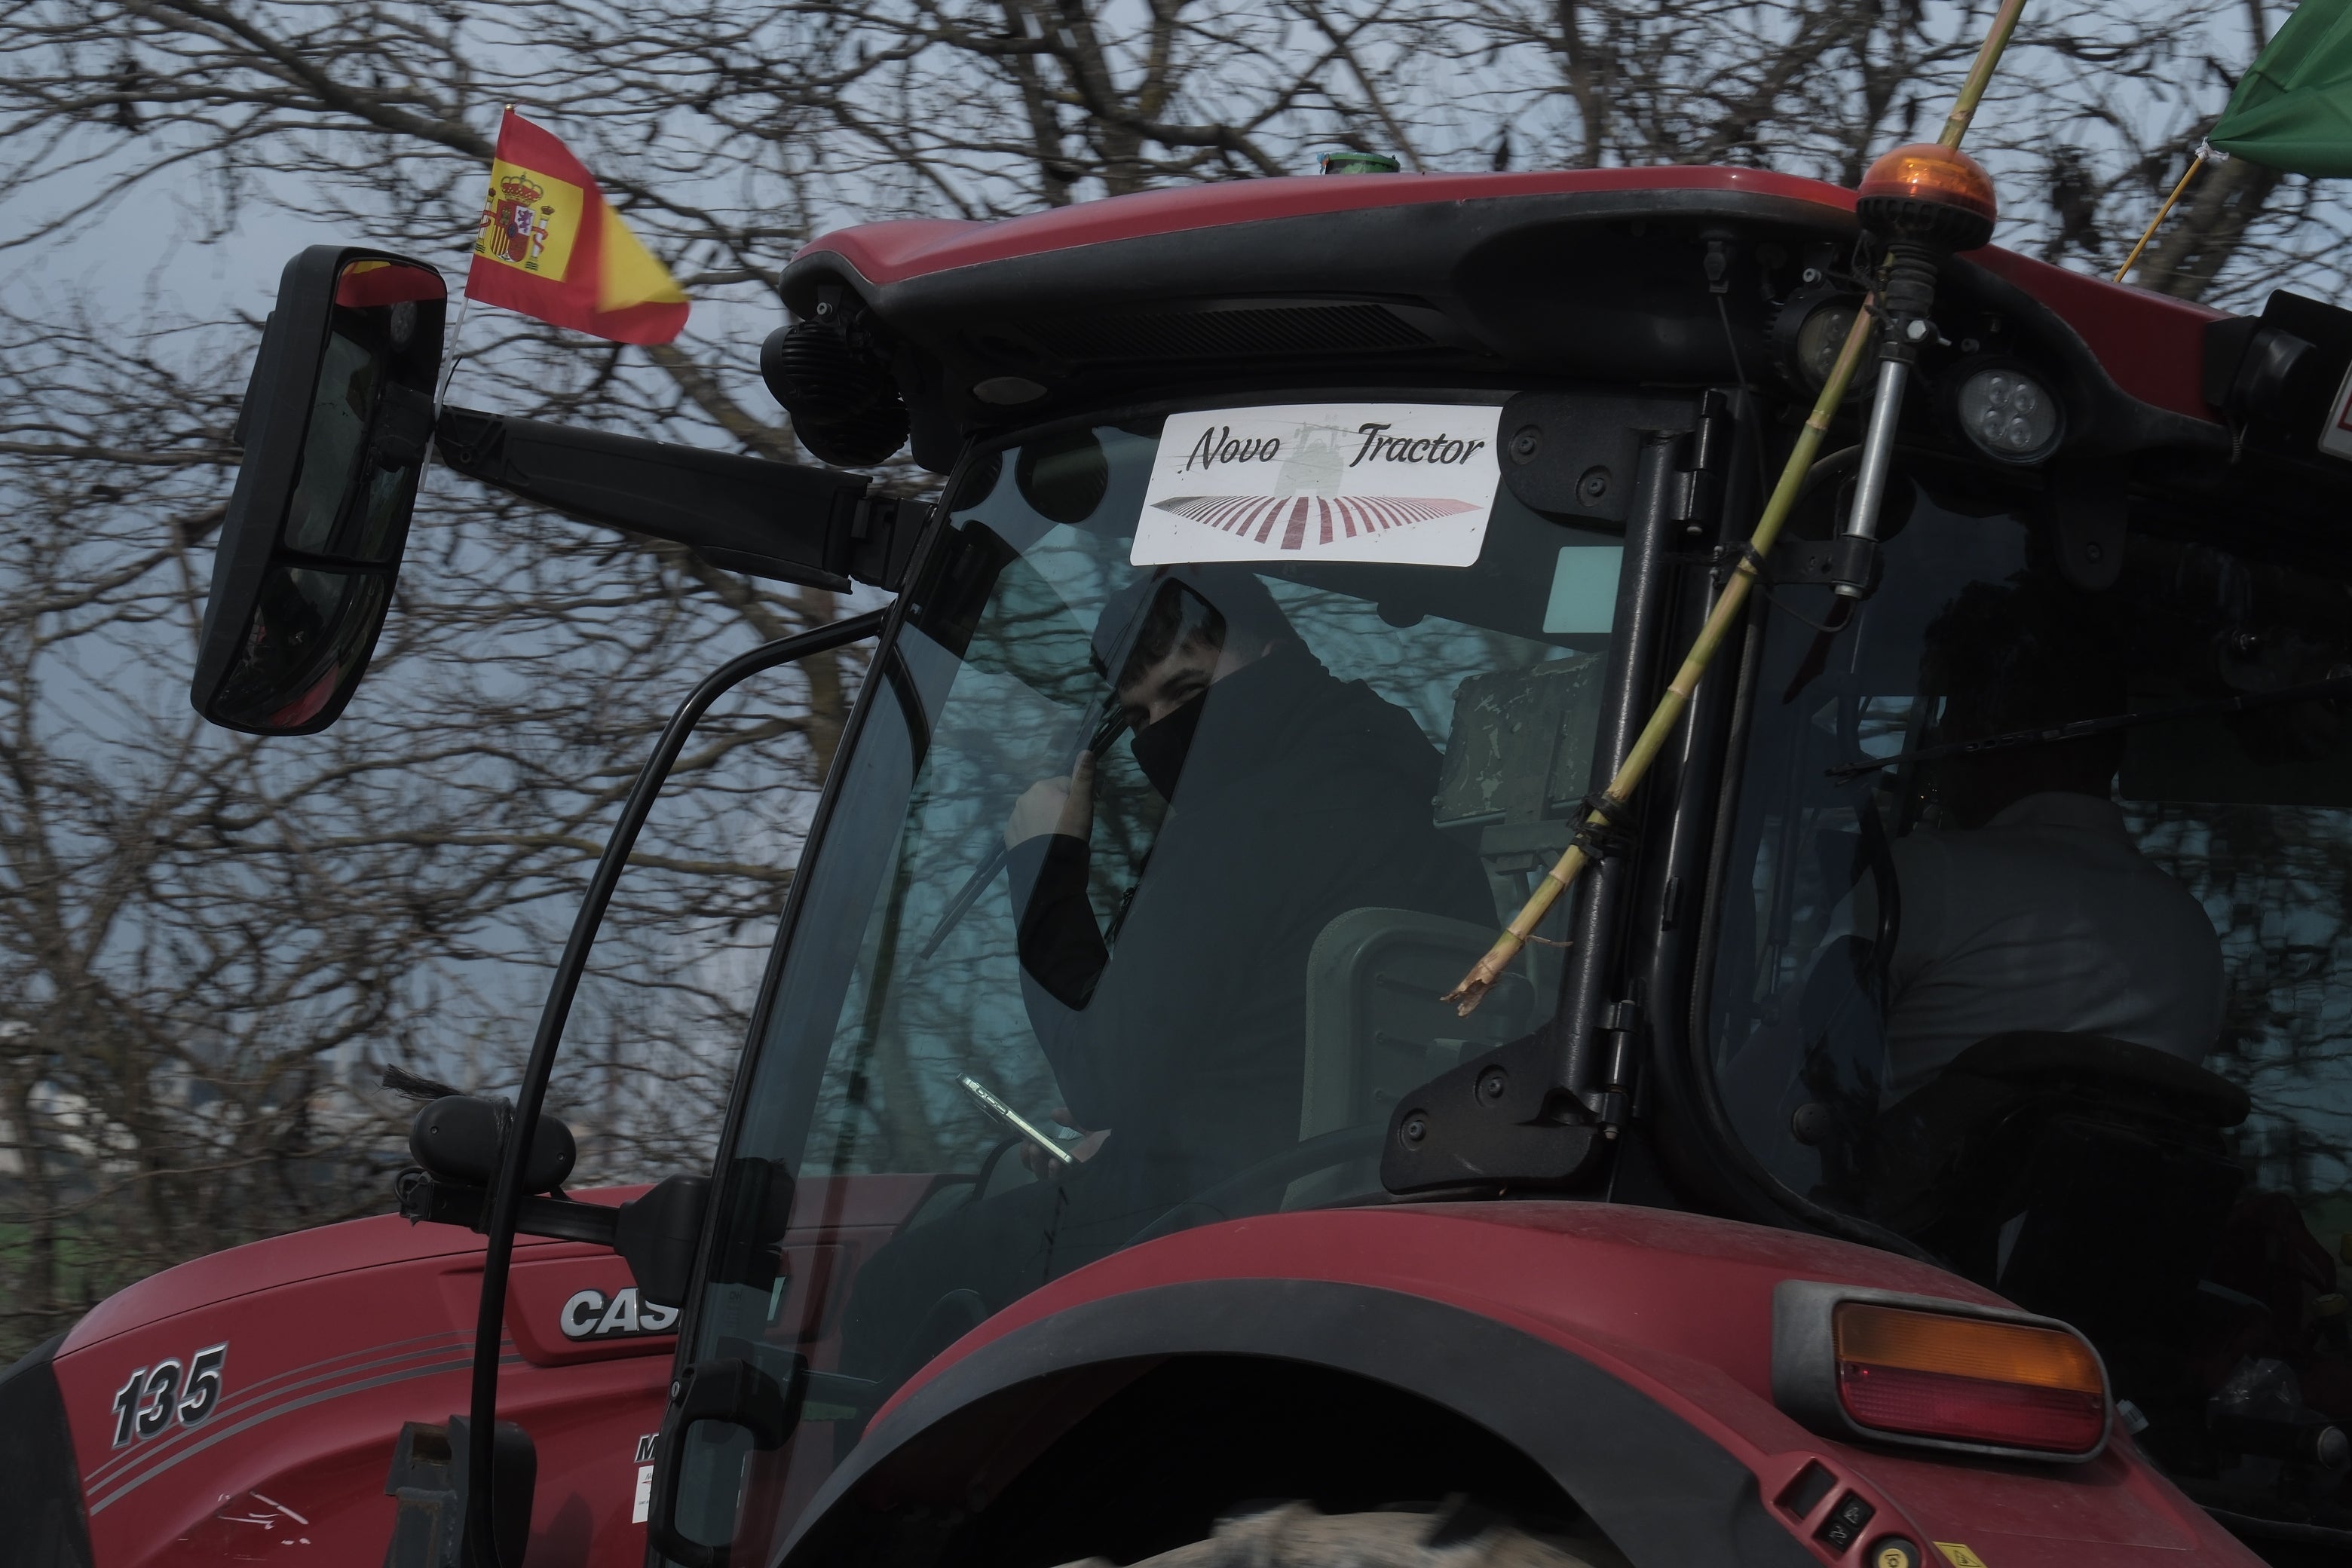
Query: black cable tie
{"type": "Point", "coordinates": [1609, 836]}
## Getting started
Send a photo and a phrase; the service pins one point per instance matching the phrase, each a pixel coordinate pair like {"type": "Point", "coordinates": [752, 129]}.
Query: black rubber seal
{"type": "Point", "coordinates": [41, 1512]}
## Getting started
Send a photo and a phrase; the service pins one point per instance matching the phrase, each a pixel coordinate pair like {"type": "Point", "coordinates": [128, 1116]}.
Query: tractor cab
{"type": "Point", "coordinates": [1306, 557]}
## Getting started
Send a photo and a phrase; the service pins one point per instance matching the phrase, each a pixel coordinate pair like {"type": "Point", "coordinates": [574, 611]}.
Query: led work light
{"type": "Point", "coordinates": [2011, 416]}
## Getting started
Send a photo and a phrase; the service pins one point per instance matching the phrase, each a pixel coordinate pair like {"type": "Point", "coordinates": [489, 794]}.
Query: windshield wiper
{"type": "Point", "coordinates": [1103, 734]}
{"type": "Point", "coordinates": [2334, 686]}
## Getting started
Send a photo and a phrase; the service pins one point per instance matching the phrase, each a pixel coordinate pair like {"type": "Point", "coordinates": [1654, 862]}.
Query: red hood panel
{"type": "Point", "coordinates": [282, 1260]}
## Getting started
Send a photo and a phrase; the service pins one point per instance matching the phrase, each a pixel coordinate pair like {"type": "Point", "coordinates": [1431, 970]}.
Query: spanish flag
{"type": "Point", "coordinates": [550, 247]}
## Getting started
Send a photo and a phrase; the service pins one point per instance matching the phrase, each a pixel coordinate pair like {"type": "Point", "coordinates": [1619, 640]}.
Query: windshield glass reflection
{"type": "Point", "coordinates": [1172, 863]}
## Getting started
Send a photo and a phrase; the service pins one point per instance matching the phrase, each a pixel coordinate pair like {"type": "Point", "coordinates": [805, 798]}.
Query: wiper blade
{"type": "Point", "coordinates": [2334, 686]}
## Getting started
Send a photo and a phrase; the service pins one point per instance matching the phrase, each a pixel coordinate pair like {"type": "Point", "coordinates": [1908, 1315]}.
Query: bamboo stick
{"type": "Point", "coordinates": [1473, 987]}
{"type": "Point", "coordinates": [2188, 175]}
{"type": "Point", "coordinates": [1980, 76]}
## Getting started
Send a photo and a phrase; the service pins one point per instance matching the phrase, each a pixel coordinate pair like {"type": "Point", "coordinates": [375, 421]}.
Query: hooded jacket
{"type": "Point", "coordinates": [1301, 798]}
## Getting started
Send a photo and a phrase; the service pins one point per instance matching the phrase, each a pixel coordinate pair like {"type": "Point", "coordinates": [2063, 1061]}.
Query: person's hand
{"type": "Point", "coordinates": [1045, 1167]}
{"type": "Point", "coordinates": [1055, 805]}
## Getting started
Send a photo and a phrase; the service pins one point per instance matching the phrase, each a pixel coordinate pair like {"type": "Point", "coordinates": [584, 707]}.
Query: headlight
{"type": "Point", "coordinates": [2011, 416]}
{"type": "Point", "coordinates": [1808, 328]}
{"type": "Point", "coordinates": [1818, 338]}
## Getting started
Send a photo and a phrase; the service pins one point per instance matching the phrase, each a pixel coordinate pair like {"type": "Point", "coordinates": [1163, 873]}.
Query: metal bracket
{"type": "Point", "coordinates": [1573, 454]}
{"type": "Point", "coordinates": [1494, 1119]}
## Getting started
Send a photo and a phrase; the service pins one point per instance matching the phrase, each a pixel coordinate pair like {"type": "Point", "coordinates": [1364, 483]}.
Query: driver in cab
{"type": "Point", "coordinates": [1176, 1036]}
{"type": "Point", "coordinates": [2033, 907]}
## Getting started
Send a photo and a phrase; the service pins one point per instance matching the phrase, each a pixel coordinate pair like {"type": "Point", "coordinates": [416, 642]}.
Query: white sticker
{"type": "Point", "coordinates": [2335, 436]}
{"type": "Point", "coordinates": [1404, 483]}
{"type": "Point", "coordinates": [645, 1505]}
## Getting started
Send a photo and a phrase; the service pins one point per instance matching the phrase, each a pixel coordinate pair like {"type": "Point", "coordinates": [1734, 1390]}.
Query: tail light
{"type": "Point", "coordinates": [1922, 1371]}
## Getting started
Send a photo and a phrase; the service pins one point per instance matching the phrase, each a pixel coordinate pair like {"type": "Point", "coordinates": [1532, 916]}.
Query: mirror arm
{"type": "Point", "coordinates": [799, 524]}
{"type": "Point", "coordinates": [424, 1198]}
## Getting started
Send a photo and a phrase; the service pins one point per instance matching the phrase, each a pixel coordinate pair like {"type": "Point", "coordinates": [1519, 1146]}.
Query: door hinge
{"type": "Point", "coordinates": [1619, 1035]}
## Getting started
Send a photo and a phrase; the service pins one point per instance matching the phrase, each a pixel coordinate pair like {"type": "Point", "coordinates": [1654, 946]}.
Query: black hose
{"type": "Point", "coordinates": [506, 1194]}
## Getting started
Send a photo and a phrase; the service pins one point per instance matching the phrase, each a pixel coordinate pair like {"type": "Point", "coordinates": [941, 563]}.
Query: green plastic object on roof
{"type": "Point", "coordinates": [2293, 108]}
{"type": "Point", "coordinates": [1350, 163]}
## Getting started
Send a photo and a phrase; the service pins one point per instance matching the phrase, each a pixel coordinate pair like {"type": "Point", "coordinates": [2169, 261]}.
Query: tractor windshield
{"type": "Point", "coordinates": [1143, 879]}
{"type": "Point", "coordinates": [2033, 932]}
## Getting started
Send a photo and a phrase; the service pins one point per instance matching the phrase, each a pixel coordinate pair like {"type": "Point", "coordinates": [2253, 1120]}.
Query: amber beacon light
{"type": "Point", "coordinates": [1928, 192]}
{"type": "Point", "coordinates": [1949, 1374]}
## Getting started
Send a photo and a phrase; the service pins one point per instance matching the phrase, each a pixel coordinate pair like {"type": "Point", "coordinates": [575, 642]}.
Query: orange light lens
{"type": "Point", "coordinates": [1931, 172]}
{"type": "Point", "coordinates": [1965, 1347]}
{"type": "Point", "coordinates": [1969, 1379]}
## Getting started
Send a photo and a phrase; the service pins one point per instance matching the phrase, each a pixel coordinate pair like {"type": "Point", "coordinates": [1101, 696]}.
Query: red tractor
{"type": "Point", "coordinates": [1921, 1140]}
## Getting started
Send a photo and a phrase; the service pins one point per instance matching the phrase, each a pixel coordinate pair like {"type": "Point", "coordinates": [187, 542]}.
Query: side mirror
{"type": "Point", "coordinates": [334, 428]}
{"type": "Point", "coordinates": [459, 1137]}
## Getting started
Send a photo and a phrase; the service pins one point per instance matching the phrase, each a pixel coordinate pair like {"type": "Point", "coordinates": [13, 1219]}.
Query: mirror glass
{"type": "Point", "coordinates": [371, 410]}
{"type": "Point", "coordinates": [308, 630]}
{"type": "Point", "coordinates": [335, 428]}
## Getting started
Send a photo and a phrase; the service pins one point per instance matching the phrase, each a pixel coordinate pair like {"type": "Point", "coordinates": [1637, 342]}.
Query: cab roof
{"type": "Point", "coordinates": [1593, 274]}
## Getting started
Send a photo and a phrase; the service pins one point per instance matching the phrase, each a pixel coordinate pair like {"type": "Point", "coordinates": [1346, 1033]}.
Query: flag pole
{"type": "Point", "coordinates": [1473, 987]}
{"type": "Point", "coordinates": [2204, 150]}
{"type": "Point", "coordinates": [457, 333]}
{"type": "Point", "coordinates": [449, 371]}
{"type": "Point", "coordinates": [441, 393]}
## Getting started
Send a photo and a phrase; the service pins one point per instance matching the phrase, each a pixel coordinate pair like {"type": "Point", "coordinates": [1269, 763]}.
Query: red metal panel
{"type": "Point", "coordinates": [364, 1326]}
{"type": "Point", "coordinates": [1680, 1307]}
{"type": "Point", "coordinates": [2152, 344]}
{"type": "Point", "coordinates": [336, 1336]}
{"type": "Point", "coordinates": [886, 253]}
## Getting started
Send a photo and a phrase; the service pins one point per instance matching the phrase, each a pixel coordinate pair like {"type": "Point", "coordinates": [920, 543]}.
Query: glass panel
{"type": "Point", "coordinates": [307, 644]}
{"type": "Point", "coordinates": [1208, 959]}
{"type": "Point", "coordinates": [370, 414]}
{"type": "Point", "coordinates": [2032, 950]}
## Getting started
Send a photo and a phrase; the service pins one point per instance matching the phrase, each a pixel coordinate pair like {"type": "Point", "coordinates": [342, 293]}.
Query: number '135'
{"type": "Point", "coordinates": [156, 1396]}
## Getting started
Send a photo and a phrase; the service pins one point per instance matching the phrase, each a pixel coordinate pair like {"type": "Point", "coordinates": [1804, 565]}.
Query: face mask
{"type": "Point", "coordinates": [1159, 748]}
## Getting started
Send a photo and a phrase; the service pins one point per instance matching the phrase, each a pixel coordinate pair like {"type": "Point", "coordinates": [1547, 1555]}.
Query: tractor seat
{"type": "Point", "coordinates": [1376, 1029]}
{"type": "Point", "coordinates": [2080, 1175]}
{"type": "Point", "coordinates": [1918, 1139]}
{"type": "Point", "coordinates": [2050, 1061]}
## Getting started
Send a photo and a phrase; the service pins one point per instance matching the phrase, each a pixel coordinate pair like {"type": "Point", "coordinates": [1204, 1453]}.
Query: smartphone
{"type": "Point", "coordinates": [1014, 1119]}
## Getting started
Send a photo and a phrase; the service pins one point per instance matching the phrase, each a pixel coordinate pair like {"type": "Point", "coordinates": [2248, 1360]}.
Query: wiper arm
{"type": "Point", "coordinates": [1103, 734]}
{"type": "Point", "coordinates": [2334, 686]}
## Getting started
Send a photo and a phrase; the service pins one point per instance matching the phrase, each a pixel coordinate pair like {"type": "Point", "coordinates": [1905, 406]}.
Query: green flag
{"type": "Point", "coordinates": [2293, 108]}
